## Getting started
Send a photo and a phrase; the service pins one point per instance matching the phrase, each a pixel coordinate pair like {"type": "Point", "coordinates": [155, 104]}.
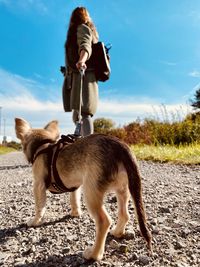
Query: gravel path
{"type": "Point", "coordinates": [172, 200]}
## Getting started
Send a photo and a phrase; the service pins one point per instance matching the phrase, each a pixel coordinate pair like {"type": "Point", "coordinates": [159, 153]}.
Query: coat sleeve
{"type": "Point", "coordinates": [84, 39]}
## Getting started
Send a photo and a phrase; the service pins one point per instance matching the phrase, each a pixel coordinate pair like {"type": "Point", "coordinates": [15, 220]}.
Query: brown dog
{"type": "Point", "coordinates": [99, 163]}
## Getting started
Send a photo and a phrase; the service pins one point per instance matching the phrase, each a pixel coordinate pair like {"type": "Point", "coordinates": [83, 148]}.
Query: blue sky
{"type": "Point", "coordinates": [155, 58]}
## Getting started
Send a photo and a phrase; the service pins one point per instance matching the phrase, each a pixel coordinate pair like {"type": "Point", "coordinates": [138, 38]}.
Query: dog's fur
{"type": "Point", "coordinates": [100, 164]}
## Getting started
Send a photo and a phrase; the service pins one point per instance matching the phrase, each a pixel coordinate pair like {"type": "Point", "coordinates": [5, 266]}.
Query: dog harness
{"type": "Point", "coordinates": [53, 182]}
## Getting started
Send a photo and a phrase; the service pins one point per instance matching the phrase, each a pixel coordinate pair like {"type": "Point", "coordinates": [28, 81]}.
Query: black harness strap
{"type": "Point", "coordinates": [58, 185]}
{"type": "Point", "coordinates": [35, 147]}
{"type": "Point", "coordinates": [51, 163]}
{"type": "Point", "coordinates": [49, 152]}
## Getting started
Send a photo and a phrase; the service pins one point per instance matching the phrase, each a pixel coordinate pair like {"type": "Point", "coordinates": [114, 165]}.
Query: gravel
{"type": "Point", "coordinates": [172, 200]}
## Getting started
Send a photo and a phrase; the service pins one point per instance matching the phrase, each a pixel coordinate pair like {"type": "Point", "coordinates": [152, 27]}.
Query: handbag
{"type": "Point", "coordinates": [66, 91]}
{"type": "Point", "coordinates": [100, 60]}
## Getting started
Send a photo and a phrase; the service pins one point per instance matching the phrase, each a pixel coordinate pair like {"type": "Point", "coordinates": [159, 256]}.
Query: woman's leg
{"type": "Point", "coordinates": [87, 125]}
{"type": "Point", "coordinates": [75, 116]}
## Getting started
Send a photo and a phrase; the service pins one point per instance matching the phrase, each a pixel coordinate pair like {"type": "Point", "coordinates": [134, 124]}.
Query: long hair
{"type": "Point", "coordinates": [80, 15]}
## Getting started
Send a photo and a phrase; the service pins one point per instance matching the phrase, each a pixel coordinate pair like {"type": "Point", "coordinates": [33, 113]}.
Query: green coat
{"type": "Point", "coordinates": [71, 97]}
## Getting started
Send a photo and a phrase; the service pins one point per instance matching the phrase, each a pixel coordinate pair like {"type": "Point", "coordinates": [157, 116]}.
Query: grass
{"type": "Point", "coordinates": [183, 154]}
{"type": "Point", "coordinates": [4, 150]}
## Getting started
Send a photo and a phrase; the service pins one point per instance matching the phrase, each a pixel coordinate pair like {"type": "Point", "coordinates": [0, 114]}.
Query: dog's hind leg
{"type": "Point", "coordinates": [75, 201]}
{"type": "Point", "coordinates": [94, 201]}
{"type": "Point", "coordinates": [40, 201]}
{"type": "Point", "coordinates": [123, 197]}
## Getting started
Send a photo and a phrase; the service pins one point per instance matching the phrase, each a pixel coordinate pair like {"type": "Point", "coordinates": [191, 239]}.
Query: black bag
{"type": "Point", "coordinates": [66, 92]}
{"type": "Point", "coordinates": [100, 60]}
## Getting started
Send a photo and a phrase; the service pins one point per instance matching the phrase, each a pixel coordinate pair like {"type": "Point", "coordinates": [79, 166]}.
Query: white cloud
{"type": "Point", "coordinates": [127, 111]}
{"type": "Point", "coordinates": [18, 100]}
{"type": "Point", "coordinates": [39, 113]}
{"type": "Point", "coordinates": [195, 88]}
{"type": "Point", "coordinates": [12, 84]}
{"type": "Point", "coordinates": [195, 74]}
{"type": "Point", "coordinates": [119, 107]}
{"type": "Point", "coordinates": [27, 102]}
{"type": "Point", "coordinates": [16, 85]}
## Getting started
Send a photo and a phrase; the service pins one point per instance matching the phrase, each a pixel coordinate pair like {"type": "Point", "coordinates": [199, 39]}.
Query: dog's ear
{"type": "Point", "coordinates": [22, 127]}
{"type": "Point", "coordinates": [52, 127]}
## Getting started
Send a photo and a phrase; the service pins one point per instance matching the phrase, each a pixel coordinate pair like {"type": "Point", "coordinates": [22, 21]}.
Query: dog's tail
{"type": "Point", "coordinates": [135, 188]}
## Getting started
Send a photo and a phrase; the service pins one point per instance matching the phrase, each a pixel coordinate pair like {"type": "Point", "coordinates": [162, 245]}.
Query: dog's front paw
{"type": "Point", "coordinates": [117, 233]}
{"type": "Point", "coordinates": [89, 254]}
{"type": "Point", "coordinates": [34, 222]}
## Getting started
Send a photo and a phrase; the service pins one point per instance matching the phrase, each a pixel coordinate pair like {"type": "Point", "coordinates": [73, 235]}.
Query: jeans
{"type": "Point", "coordinates": [87, 127]}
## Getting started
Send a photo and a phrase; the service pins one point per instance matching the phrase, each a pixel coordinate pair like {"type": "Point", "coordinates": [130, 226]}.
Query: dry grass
{"type": "Point", "coordinates": [4, 149]}
{"type": "Point", "coordinates": [183, 154]}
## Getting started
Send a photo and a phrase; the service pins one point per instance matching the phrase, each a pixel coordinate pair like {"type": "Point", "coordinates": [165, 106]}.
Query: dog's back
{"type": "Point", "coordinates": [99, 163]}
{"type": "Point", "coordinates": [102, 157]}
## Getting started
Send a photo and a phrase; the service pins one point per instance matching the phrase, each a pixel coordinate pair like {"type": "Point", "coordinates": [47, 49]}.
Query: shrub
{"type": "Point", "coordinates": [102, 125]}
{"type": "Point", "coordinates": [151, 131]}
{"type": "Point", "coordinates": [118, 132]}
{"type": "Point", "coordinates": [14, 145]}
{"type": "Point", "coordinates": [136, 132]}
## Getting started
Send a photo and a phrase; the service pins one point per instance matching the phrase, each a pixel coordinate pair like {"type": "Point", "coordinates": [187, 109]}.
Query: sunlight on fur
{"type": "Point", "coordinates": [95, 165]}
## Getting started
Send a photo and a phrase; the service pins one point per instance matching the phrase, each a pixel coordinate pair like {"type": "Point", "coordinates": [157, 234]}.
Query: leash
{"type": "Point", "coordinates": [77, 131]}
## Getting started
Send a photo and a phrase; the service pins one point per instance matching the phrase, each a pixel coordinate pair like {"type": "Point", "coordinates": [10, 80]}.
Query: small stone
{"type": "Point", "coordinates": [161, 219]}
{"type": "Point", "coordinates": [27, 252]}
{"type": "Point", "coordinates": [193, 257]}
{"type": "Point", "coordinates": [123, 248]}
{"type": "Point", "coordinates": [154, 221]}
{"type": "Point", "coordinates": [43, 240]}
{"type": "Point", "coordinates": [72, 237]}
{"type": "Point", "coordinates": [130, 235]}
{"type": "Point", "coordinates": [33, 248]}
{"type": "Point", "coordinates": [3, 257]}
{"type": "Point", "coordinates": [155, 231]}
{"type": "Point", "coordinates": [135, 256]}
{"type": "Point", "coordinates": [113, 199]}
{"type": "Point", "coordinates": [106, 263]}
{"type": "Point", "coordinates": [167, 228]}
{"type": "Point", "coordinates": [18, 233]}
{"type": "Point", "coordinates": [197, 229]}
{"type": "Point", "coordinates": [143, 260]}
{"type": "Point", "coordinates": [179, 245]}
{"type": "Point", "coordinates": [19, 261]}
{"type": "Point", "coordinates": [66, 250]}
{"type": "Point", "coordinates": [164, 210]}
{"type": "Point", "coordinates": [114, 244]}
{"type": "Point", "coordinates": [89, 243]}
{"type": "Point", "coordinates": [185, 233]}
{"type": "Point", "coordinates": [182, 264]}
{"type": "Point", "coordinates": [34, 239]}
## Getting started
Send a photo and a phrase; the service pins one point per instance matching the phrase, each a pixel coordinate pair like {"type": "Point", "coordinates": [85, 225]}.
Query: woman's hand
{"type": "Point", "coordinates": [81, 65]}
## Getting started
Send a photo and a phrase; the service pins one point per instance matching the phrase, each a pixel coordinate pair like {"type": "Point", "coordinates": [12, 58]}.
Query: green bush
{"type": "Point", "coordinates": [14, 145]}
{"type": "Point", "coordinates": [118, 132]}
{"type": "Point", "coordinates": [102, 125]}
{"type": "Point", "coordinates": [155, 132]}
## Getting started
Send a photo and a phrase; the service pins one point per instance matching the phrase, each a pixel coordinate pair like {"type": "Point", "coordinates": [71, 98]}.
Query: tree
{"type": "Point", "coordinates": [102, 125]}
{"type": "Point", "coordinates": [196, 101]}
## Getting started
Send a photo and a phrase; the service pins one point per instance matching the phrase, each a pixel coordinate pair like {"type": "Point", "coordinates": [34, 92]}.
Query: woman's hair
{"type": "Point", "coordinates": [80, 15]}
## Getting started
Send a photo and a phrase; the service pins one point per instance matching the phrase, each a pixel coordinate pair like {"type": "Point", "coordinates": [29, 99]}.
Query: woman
{"type": "Point", "coordinates": [78, 49]}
